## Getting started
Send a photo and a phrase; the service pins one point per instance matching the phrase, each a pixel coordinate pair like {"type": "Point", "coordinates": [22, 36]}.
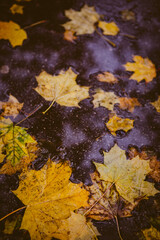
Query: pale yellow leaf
{"type": "Point", "coordinates": [151, 233]}
{"type": "Point", "coordinates": [15, 8]}
{"type": "Point", "coordinates": [62, 89]}
{"type": "Point", "coordinates": [156, 104]}
{"type": "Point", "coordinates": [127, 175]}
{"type": "Point", "coordinates": [49, 197]}
{"type": "Point", "coordinates": [12, 107]}
{"type": "Point", "coordinates": [143, 69]}
{"type": "Point", "coordinates": [11, 31]}
{"type": "Point", "coordinates": [82, 22]}
{"type": "Point", "coordinates": [108, 28]}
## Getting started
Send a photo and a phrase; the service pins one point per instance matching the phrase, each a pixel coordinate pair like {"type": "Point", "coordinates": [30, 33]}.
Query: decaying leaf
{"type": "Point", "coordinates": [14, 141]}
{"type": "Point", "coordinates": [128, 103]}
{"type": "Point", "coordinates": [128, 176]}
{"type": "Point", "coordinates": [82, 22]}
{"type": "Point", "coordinates": [11, 31]}
{"type": "Point", "coordinates": [105, 202]}
{"type": "Point", "coordinates": [62, 89]}
{"type": "Point", "coordinates": [155, 166]}
{"type": "Point", "coordinates": [143, 69]}
{"type": "Point", "coordinates": [105, 99]}
{"type": "Point", "coordinates": [15, 8]}
{"type": "Point", "coordinates": [156, 104]}
{"type": "Point", "coordinates": [107, 77]}
{"type": "Point", "coordinates": [12, 107]}
{"type": "Point", "coordinates": [69, 36]}
{"type": "Point", "coordinates": [49, 197]}
{"type": "Point", "coordinates": [108, 28]}
{"type": "Point", "coordinates": [151, 233]}
{"type": "Point", "coordinates": [76, 227]}
{"type": "Point", "coordinates": [116, 123]}
{"type": "Point", "coordinates": [128, 15]}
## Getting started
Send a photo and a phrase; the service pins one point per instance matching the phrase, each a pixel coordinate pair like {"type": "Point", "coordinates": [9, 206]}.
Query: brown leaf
{"type": "Point", "coordinates": [128, 15]}
{"type": "Point", "coordinates": [107, 77]}
{"type": "Point", "coordinates": [69, 36]}
{"type": "Point", "coordinates": [11, 108]}
{"type": "Point", "coordinates": [128, 103]}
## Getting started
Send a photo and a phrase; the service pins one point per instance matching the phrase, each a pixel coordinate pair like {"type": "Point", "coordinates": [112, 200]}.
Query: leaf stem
{"type": "Point", "coordinates": [118, 227]}
{"type": "Point", "coordinates": [49, 107]}
{"type": "Point", "coordinates": [1, 219]}
{"type": "Point", "coordinates": [106, 39]}
{"type": "Point", "coordinates": [35, 24]}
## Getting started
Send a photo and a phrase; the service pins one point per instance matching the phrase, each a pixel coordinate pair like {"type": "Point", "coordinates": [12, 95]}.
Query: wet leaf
{"type": "Point", "coordinates": [11, 31]}
{"type": "Point", "coordinates": [108, 28]}
{"type": "Point", "coordinates": [143, 69]}
{"type": "Point", "coordinates": [62, 89]}
{"type": "Point", "coordinates": [128, 15]}
{"type": "Point", "coordinates": [116, 123]}
{"type": "Point", "coordinates": [15, 8]}
{"type": "Point", "coordinates": [69, 36]}
{"type": "Point", "coordinates": [14, 141]}
{"type": "Point", "coordinates": [82, 22]}
{"type": "Point", "coordinates": [105, 99]}
{"type": "Point", "coordinates": [156, 104]}
{"type": "Point", "coordinates": [151, 233]}
{"type": "Point", "coordinates": [155, 166]}
{"type": "Point", "coordinates": [128, 103]}
{"type": "Point", "coordinates": [12, 107]}
{"type": "Point", "coordinates": [11, 225]}
{"type": "Point", "coordinates": [49, 197]}
{"type": "Point", "coordinates": [76, 227]}
{"type": "Point", "coordinates": [107, 77]}
{"type": "Point", "coordinates": [128, 176]}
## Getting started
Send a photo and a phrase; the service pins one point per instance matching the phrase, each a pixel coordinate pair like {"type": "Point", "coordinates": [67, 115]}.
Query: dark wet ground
{"type": "Point", "coordinates": [71, 133]}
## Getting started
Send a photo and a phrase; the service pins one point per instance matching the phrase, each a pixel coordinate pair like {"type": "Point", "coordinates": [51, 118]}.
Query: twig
{"type": "Point", "coordinates": [12, 213]}
{"type": "Point", "coordinates": [35, 24]}
{"type": "Point", "coordinates": [127, 35]}
{"type": "Point", "coordinates": [105, 38]}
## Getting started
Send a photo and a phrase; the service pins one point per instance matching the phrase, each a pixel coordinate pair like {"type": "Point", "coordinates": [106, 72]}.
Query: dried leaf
{"type": "Point", "coordinates": [12, 107]}
{"type": "Point", "coordinates": [108, 28]}
{"type": "Point", "coordinates": [49, 197]}
{"type": "Point", "coordinates": [69, 36]}
{"type": "Point", "coordinates": [127, 175]}
{"type": "Point", "coordinates": [107, 77]}
{"type": "Point", "coordinates": [116, 123]}
{"type": "Point", "coordinates": [15, 8]}
{"type": "Point", "coordinates": [105, 99]}
{"type": "Point", "coordinates": [156, 104]}
{"type": "Point", "coordinates": [62, 89]}
{"type": "Point", "coordinates": [151, 233]}
{"type": "Point", "coordinates": [143, 68]}
{"type": "Point", "coordinates": [11, 31]}
{"type": "Point", "coordinates": [82, 22]}
{"type": "Point", "coordinates": [76, 227]}
{"type": "Point", "coordinates": [128, 15]}
{"type": "Point", "coordinates": [128, 103]}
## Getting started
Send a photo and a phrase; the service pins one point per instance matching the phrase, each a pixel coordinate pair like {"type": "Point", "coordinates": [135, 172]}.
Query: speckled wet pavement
{"type": "Point", "coordinates": [69, 132]}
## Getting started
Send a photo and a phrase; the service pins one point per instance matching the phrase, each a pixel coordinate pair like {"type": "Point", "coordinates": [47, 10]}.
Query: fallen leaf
{"type": "Point", "coordinates": [156, 104]}
{"type": "Point", "coordinates": [11, 225]}
{"type": "Point", "coordinates": [69, 36]}
{"type": "Point", "coordinates": [128, 15]}
{"type": "Point", "coordinates": [105, 202]}
{"type": "Point", "coordinates": [128, 103]}
{"type": "Point", "coordinates": [128, 176]}
{"type": "Point", "coordinates": [15, 8]}
{"type": "Point", "coordinates": [108, 28]}
{"type": "Point", "coordinates": [143, 69]}
{"type": "Point", "coordinates": [11, 31]}
{"type": "Point", "coordinates": [14, 141]}
{"type": "Point", "coordinates": [62, 89]}
{"type": "Point", "coordinates": [4, 69]}
{"type": "Point", "coordinates": [2, 156]}
{"type": "Point", "coordinates": [49, 197]}
{"type": "Point", "coordinates": [107, 77]}
{"type": "Point", "coordinates": [151, 233]}
{"type": "Point", "coordinates": [105, 99]}
{"type": "Point", "coordinates": [116, 123]}
{"type": "Point", "coordinates": [11, 108]}
{"type": "Point", "coordinates": [76, 227]}
{"type": "Point", "coordinates": [82, 22]}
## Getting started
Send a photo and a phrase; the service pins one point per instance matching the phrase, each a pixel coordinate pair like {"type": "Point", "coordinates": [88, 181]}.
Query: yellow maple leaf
{"type": "Point", "coordinates": [105, 99]}
{"type": "Point", "coordinates": [151, 233]}
{"type": "Point", "coordinates": [76, 227]}
{"type": "Point", "coordinates": [128, 176]}
{"type": "Point", "coordinates": [143, 68]}
{"type": "Point", "coordinates": [156, 104]}
{"type": "Point", "coordinates": [107, 77]}
{"type": "Point", "coordinates": [116, 123]}
{"type": "Point", "coordinates": [62, 89]}
{"type": "Point", "coordinates": [12, 107]}
{"type": "Point", "coordinates": [128, 103]}
{"type": "Point", "coordinates": [49, 197]}
{"type": "Point", "coordinates": [82, 22]}
{"type": "Point", "coordinates": [15, 8]}
{"type": "Point", "coordinates": [108, 28]}
{"type": "Point", "coordinates": [11, 31]}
